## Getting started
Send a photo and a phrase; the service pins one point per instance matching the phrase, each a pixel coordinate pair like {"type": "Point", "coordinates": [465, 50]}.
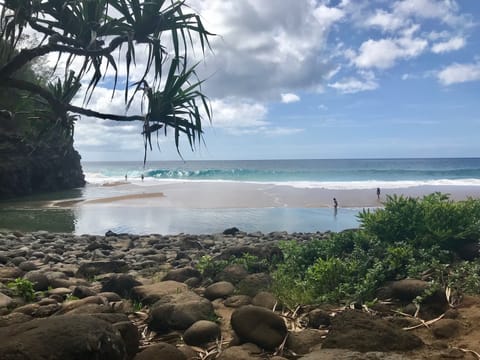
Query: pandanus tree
{"type": "Point", "coordinates": [98, 38]}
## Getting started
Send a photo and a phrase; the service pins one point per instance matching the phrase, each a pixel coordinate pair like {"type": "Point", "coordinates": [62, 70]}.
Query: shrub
{"type": "Point", "coordinates": [23, 288]}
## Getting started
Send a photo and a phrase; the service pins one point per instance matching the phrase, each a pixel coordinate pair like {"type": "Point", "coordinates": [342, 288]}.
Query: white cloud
{"type": "Point", "coordinates": [353, 85]}
{"type": "Point", "coordinates": [290, 98]}
{"type": "Point", "coordinates": [444, 10]}
{"type": "Point", "coordinates": [385, 21]}
{"type": "Point", "coordinates": [384, 53]}
{"type": "Point", "coordinates": [235, 114]}
{"type": "Point", "coordinates": [453, 44]}
{"type": "Point", "coordinates": [459, 73]}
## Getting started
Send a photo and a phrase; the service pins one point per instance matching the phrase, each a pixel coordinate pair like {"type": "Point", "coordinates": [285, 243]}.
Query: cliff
{"type": "Point", "coordinates": [27, 168]}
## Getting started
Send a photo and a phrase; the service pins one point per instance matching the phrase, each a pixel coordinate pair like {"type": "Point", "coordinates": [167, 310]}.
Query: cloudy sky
{"type": "Point", "coordinates": [324, 79]}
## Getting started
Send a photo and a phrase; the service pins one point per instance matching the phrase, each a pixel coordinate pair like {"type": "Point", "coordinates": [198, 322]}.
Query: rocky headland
{"type": "Point", "coordinates": [122, 296]}
{"type": "Point", "coordinates": [28, 167]}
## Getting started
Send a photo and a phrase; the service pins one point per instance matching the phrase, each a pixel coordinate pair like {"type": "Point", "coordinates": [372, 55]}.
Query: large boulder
{"type": "Point", "coordinates": [259, 326]}
{"type": "Point", "coordinates": [62, 338]}
{"type": "Point", "coordinates": [201, 332]}
{"type": "Point", "coordinates": [221, 289]}
{"type": "Point", "coordinates": [179, 311]}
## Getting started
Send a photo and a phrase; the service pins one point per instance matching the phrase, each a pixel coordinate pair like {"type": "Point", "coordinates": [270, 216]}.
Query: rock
{"type": "Point", "coordinates": [221, 289]}
{"type": "Point", "coordinates": [446, 328]}
{"type": "Point", "coordinates": [232, 273]}
{"type": "Point", "coordinates": [62, 338]}
{"type": "Point", "coordinates": [259, 326]}
{"type": "Point", "coordinates": [264, 299]}
{"type": "Point", "coordinates": [130, 336]}
{"type": "Point", "coordinates": [182, 274]}
{"type": "Point", "coordinates": [10, 273]}
{"type": "Point", "coordinates": [254, 283]}
{"type": "Point", "coordinates": [201, 332]}
{"type": "Point", "coordinates": [83, 292]}
{"type": "Point", "coordinates": [122, 284]}
{"type": "Point", "coordinates": [179, 311]}
{"type": "Point", "coordinates": [355, 330]}
{"type": "Point", "coordinates": [93, 268]}
{"type": "Point", "coordinates": [302, 341]}
{"type": "Point", "coordinates": [5, 301]}
{"type": "Point", "coordinates": [318, 318]}
{"type": "Point", "coordinates": [160, 351]}
{"type": "Point", "coordinates": [149, 294]}
{"type": "Point", "coordinates": [231, 231]}
{"type": "Point", "coordinates": [236, 301]}
{"type": "Point", "coordinates": [27, 266]}
{"type": "Point", "coordinates": [39, 280]}
{"type": "Point", "coordinates": [237, 353]}
{"type": "Point", "coordinates": [14, 318]}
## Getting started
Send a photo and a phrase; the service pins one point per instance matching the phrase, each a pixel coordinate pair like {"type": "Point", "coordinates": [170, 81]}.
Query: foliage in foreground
{"type": "Point", "coordinates": [407, 238]}
{"type": "Point", "coordinates": [22, 288]}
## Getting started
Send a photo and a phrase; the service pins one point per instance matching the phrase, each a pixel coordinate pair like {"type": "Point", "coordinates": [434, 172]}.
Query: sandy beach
{"type": "Point", "coordinates": [222, 195]}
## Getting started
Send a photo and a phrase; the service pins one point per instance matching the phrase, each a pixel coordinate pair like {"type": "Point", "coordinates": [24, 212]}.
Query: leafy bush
{"type": "Point", "coordinates": [432, 220]}
{"type": "Point", "coordinates": [408, 238]}
{"type": "Point", "coordinates": [23, 288]}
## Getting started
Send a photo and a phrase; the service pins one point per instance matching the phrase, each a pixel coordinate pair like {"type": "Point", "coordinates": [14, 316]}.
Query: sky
{"type": "Point", "coordinates": [292, 79]}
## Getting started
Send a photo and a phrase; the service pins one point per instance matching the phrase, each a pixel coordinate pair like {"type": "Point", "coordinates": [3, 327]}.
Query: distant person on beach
{"type": "Point", "coordinates": [378, 193]}
{"type": "Point", "coordinates": [335, 203]}
{"type": "Point", "coordinates": [142, 177]}
{"type": "Point", "coordinates": [126, 177]}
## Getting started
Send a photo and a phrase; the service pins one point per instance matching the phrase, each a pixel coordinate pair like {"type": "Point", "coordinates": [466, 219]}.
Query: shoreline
{"type": "Point", "coordinates": [238, 195]}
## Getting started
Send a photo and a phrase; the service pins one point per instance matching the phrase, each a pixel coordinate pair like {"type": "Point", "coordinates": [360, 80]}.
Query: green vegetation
{"type": "Point", "coordinates": [104, 38]}
{"type": "Point", "coordinates": [407, 238]}
{"type": "Point", "coordinates": [22, 288]}
{"type": "Point", "coordinates": [210, 268]}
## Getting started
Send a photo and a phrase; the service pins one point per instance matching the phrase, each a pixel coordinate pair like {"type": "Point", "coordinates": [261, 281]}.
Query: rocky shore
{"type": "Point", "coordinates": [122, 296]}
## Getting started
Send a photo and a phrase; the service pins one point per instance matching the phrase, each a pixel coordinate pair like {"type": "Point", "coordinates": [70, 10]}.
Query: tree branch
{"type": "Point", "coordinates": [27, 55]}
{"type": "Point", "coordinates": [59, 107]}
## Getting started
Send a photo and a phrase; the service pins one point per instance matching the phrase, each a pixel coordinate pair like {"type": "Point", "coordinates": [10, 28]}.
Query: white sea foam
{"type": "Point", "coordinates": [100, 179]}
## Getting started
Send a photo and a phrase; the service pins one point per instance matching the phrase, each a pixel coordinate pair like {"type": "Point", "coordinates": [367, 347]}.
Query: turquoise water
{"type": "Point", "coordinates": [343, 173]}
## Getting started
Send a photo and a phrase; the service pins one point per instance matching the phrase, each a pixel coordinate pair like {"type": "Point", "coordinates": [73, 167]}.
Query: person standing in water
{"type": "Point", "coordinates": [335, 207]}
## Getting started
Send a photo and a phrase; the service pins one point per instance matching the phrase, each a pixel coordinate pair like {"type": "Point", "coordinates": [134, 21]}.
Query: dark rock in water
{"type": "Point", "coordinates": [355, 330]}
{"type": "Point", "coordinates": [201, 332]}
{"type": "Point", "coordinates": [231, 231]}
{"type": "Point", "coordinates": [161, 351]}
{"type": "Point", "coordinates": [68, 337]}
{"type": "Point", "coordinates": [90, 269]}
{"type": "Point", "coordinates": [258, 325]}
{"type": "Point", "coordinates": [121, 284]}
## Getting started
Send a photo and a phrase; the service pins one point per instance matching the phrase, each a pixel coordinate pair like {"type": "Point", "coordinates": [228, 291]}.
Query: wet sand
{"type": "Point", "coordinates": [218, 195]}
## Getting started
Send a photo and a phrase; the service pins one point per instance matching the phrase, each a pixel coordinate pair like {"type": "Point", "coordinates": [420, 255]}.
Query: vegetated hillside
{"type": "Point", "coordinates": [36, 149]}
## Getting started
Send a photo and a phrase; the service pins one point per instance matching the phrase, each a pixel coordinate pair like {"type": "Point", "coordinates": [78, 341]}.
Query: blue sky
{"type": "Point", "coordinates": [324, 79]}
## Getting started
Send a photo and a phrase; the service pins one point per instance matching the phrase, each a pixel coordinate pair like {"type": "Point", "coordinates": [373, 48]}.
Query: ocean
{"type": "Point", "coordinates": [213, 180]}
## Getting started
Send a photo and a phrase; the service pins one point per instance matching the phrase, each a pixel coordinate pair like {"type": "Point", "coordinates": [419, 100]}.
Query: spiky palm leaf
{"type": "Point", "coordinates": [93, 30]}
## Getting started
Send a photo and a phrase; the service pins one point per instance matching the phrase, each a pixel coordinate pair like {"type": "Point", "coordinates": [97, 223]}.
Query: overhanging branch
{"type": "Point", "coordinates": [60, 107]}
